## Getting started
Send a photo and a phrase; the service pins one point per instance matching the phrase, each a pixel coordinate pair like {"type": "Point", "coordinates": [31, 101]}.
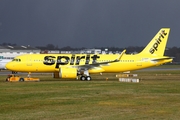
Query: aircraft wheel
{"type": "Point", "coordinates": [82, 78]}
{"type": "Point", "coordinates": [88, 78]}
{"type": "Point", "coordinates": [7, 79]}
{"type": "Point", "coordinates": [21, 79]}
{"type": "Point", "coordinates": [14, 72]}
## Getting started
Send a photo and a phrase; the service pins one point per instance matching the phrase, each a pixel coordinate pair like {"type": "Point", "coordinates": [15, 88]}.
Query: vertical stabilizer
{"type": "Point", "coordinates": [158, 44]}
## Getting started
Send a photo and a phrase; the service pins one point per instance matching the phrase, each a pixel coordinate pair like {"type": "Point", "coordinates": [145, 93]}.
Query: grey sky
{"type": "Point", "coordinates": [88, 23]}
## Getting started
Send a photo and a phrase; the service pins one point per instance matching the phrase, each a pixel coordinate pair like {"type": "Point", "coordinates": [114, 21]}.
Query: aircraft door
{"type": "Point", "coordinates": [139, 61]}
{"type": "Point", "coordinates": [29, 60]}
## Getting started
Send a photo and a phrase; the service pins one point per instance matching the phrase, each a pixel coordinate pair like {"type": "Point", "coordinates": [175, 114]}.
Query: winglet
{"type": "Point", "coordinates": [122, 53]}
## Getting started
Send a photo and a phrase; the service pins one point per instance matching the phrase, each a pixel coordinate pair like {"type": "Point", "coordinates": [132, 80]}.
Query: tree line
{"type": "Point", "coordinates": [170, 51]}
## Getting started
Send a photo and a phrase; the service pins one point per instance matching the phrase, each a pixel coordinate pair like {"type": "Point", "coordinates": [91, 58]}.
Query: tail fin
{"type": "Point", "coordinates": [158, 44]}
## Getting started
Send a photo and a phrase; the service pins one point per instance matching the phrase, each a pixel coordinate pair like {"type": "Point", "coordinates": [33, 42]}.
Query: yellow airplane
{"type": "Point", "coordinates": [81, 65]}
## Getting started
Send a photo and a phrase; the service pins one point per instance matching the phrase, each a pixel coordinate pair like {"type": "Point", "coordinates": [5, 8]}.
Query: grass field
{"type": "Point", "coordinates": [157, 96]}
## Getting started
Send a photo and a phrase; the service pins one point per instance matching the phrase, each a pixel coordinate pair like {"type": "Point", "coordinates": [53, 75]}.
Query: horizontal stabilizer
{"type": "Point", "coordinates": [159, 59]}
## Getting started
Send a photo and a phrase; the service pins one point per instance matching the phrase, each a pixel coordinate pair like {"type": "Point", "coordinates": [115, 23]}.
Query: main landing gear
{"type": "Point", "coordinates": [85, 76]}
{"type": "Point", "coordinates": [88, 78]}
{"type": "Point", "coordinates": [13, 72]}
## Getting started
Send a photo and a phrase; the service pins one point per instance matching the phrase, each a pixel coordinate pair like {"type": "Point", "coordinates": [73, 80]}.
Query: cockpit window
{"type": "Point", "coordinates": [16, 60]}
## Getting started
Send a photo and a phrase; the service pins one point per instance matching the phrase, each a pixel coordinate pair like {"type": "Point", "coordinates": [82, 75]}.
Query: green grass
{"type": "Point", "coordinates": [157, 96]}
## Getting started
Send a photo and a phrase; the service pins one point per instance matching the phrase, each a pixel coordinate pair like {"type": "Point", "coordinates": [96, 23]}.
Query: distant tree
{"type": "Point", "coordinates": [173, 52]}
{"type": "Point", "coordinates": [6, 44]}
{"type": "Point", "coordinates": [132, 49]}
{"type": "Point", "coordinates": [67, 48]}
{"type": "Point", "coordinates": [50, 46]}
{"type": "Point", "coordinates": [56, 47]}
{"type": "Point", "coordinates": [41, 47]}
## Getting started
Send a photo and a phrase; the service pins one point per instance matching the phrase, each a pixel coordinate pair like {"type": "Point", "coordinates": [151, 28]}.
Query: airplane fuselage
{"type": "Point", "coordinates": [53, 62]}
{"type": "Point", "coordinates": [74, 65]}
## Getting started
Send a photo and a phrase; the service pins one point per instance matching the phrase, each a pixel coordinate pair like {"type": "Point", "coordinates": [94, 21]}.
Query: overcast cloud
{"type": "Point", "coordinates": [88, 23]}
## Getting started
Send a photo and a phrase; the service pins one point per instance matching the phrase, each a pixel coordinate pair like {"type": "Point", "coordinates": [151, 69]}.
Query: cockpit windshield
{"type": "Point", "coordinates": [16, 60]}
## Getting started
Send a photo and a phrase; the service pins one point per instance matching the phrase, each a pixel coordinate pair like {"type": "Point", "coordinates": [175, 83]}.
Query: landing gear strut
{"type": "Point", "coordinates": [13, 72]}
{"type": "Point", "coordinates": [29, 75]}
{"type": "Point", "coordinates": [85, 76]}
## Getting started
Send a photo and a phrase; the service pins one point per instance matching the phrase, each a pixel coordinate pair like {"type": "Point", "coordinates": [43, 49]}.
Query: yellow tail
{"type": "Point", "coordinates": [158, 44]}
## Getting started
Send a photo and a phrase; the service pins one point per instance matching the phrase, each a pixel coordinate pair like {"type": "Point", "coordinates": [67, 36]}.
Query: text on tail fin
{"type": "Point", "coordinates": [158, 44]}
{"type": "Point", "coordinates": [154, 48]}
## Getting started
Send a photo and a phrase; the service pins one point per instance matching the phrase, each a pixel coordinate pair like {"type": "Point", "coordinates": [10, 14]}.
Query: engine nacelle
{"type": "Point", "coordinates": [66, 72]}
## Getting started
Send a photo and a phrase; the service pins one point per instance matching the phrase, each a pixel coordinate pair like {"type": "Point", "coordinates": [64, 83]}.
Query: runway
{"type": "Point", "coordinates": [7, 72]}
{"type": "Point", "coordinates": [160, 69]}
{"type": "Point", "coordinates": [169, 68]}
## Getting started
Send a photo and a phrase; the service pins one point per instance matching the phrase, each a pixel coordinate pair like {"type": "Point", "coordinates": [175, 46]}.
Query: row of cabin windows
{"type": "Point", "coordinates": [89, 60]}
{"type": "Point", "coordinates": [19, 60]}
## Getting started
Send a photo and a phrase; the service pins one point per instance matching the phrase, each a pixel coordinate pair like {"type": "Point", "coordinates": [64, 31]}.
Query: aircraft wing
{"type": "Point", "coordinates": [95, 65]}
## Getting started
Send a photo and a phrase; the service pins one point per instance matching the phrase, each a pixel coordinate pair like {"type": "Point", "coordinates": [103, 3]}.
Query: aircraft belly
{"type": "Point", "coordinates": [96, 70]}
{"type": "Point", "coordinates": [120, 67]}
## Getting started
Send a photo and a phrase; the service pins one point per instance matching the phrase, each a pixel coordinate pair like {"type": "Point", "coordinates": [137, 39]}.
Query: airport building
{"type": "Point", "coordinates": [12, 51]}
{"type": "Point", "coordinates": [90, 51]}
{"type": "Point", "coordinates": [87, 51]}
{"type": "Point", "coordinates": [7, 53]}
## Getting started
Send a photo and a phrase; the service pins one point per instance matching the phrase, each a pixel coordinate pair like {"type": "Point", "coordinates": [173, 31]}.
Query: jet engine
{"type": "Point", "coordinates": [66, 72]}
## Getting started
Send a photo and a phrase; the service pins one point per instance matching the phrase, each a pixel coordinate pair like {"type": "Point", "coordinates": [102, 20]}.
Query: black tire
{"type": "Point", "coordinates": [82, 78]}
{"type": "Point", "coordinates": [7, 79]}
{"type": "Point", "coordinates": [14, 72]}
{"type": "Point", "coordinates": [88, 78]}
{"type": "Point", "coordinates": [21, 80]}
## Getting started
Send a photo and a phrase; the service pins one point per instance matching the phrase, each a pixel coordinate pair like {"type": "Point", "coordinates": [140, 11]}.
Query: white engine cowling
{"type": "Point", "coordinates": [66, 72]}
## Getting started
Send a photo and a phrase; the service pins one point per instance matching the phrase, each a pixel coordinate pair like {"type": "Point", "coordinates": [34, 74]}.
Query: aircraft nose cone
{"type": "Point", "coordinates": [9, 66]}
